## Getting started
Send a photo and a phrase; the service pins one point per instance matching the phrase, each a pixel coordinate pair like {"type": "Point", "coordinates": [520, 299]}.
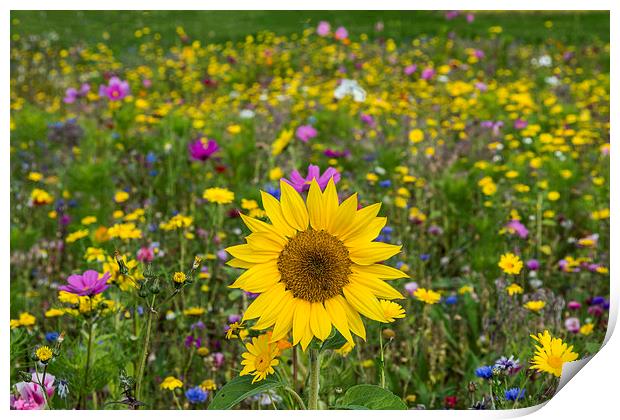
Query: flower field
{"type": "Point", "coordinates": [336, 214]}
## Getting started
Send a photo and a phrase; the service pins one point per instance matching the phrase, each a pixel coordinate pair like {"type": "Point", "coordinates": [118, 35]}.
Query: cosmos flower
{"type": "Point", "coordinates": [72, 94]}
{"type": "Point", "coordinates": [341, 33]}
{"type": "Point", "coordinates": [260, 358]}
{"type": "Point", "coordinates": [323, 28]}
{"type": "Point", "coordinates": [115, 90]}
{"type": "Point", "coordinates": [518, 228]}
{"type": "Point", "coordinates": [305, 133]}
{"type": "Point", "coordinates": [202, 148]}
{"type": "Point", "coordinates": [314, 173]}
{"type": "Point", "coordinates": [551, 354]}
{"type": "Point", "coordinates": [316, 266]}
{"type": "Point", "coordinates": [87, 284]}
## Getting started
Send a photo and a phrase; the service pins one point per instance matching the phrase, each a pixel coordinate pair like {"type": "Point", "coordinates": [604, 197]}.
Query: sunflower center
{"type": "Point", "coordinates": [555, 362]}
{"type": "Point", "coordinates": [262, 362]}
{"type": "Point", "coordinates": [314, 265]}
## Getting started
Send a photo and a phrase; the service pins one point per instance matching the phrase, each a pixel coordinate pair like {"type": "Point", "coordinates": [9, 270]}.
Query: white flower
{"type": "Point", "coordinates": [352, 88]}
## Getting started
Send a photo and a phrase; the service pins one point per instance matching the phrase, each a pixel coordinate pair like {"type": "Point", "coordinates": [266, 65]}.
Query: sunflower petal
{"type": "Point", "coordinates": [259, 278]}
{"type": "Point", "coordinates": [381, 271]}
{"type": "Point", "coordinates": [344, 216]}
{"type": "Point", "coordinates": [378, 287]}
{"type": "Point", "coordinates": [362, 218]}
{"type": "Point", "coordinates": [373, 252]}
{"type": "Point", "coordinates": [274, 213]}
{"type": "Point", "coordinates": [301, 320]}
{"type": "Point", "coordinates": [364, 301]}
{"type": "Point", "coordinates": [256, 308]}
{"type": "Point", "coordinates": [338, 315]}
{"type": "Point", "coordinates": [320, 321]}
{"type": "Point", "coordinates": [293, 207]}
{"type": "Point", "coordinates": [330, 202]}
{"type": "Point", "coordinates": [315, 206]}
{"type": "Point", "coordinates": [246, 253]}
{"type": "Point", "coordinates": [284, 322]}
{"type": "Point", "coordinates": [356, 325]}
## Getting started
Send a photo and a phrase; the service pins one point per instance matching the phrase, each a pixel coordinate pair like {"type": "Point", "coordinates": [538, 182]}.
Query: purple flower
{"type": "Point", "coordinates": [341, 33]}
{"type": "Point", "coordinates": [314, 172]}
{"type": "Point", "coordinates": [411, 287]}
{"type": "Point", "coordinates": [428, 73]}
{"type": "Point", "coordinates": [191, 341]}
{"type": "Point", "coordinates": [516, 227]}
{"type": "Point", "coordinates": [115, 90]}
{"type": "Point", "coordinates": [367, 119]}
{"type": "Point", "coordinates": [410, 69]}
{"type": "Point", "coordinates": [218, 359]}
{"type": "Point", "coordinates": [234, 318]}
{"type": "Point", "coordinates": [305, 133]}
{"type": "Point", "coordinates": [71, 94]}
{"type": "Point", "coordinates": [572, 324]}
{"type": "Point", "coordinates": [87, 284]}
{"type": "Point", "coordinates": [574, 305]}
{"type": "Point", "coordinates": [202, 148]}
{"type": "Point", "coordinates": [509, 365]}
{"type": "Point", "coordinates": [533, 265]}
{"type": "Point", "coordinates": [331, 153]}
{"type": "Point", "coordinates": [482, 87]}
{"type": "Point", "coordinates": [323, 28]}
{"type": "Point", "coordinates": [520, 124]}
{"type": "Point", "coordinates": [470, 17]}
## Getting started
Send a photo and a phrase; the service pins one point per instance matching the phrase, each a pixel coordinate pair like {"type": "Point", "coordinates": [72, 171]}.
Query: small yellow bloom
{"type": "Point", "coordinates": [260, 358]}
{"type": "Point", "coordinates": [89, 220]}
{"type": "Point", "coordinates": [553, 196]}
{"type": "Point", "coordinates": [171, 383]}
{"type": "Point", "coordinates": [77, 235]}
{"type": "Point", "coordinates": [514, 289]}
{"type": "Point", "coordinates": [194, 311]}
{"type": "Point", "coordinates": [427, 296]}
{"type": "Point", "coordinates": [391, 310]}
{"type": "Point", "coordinates": [218, 195]}
{"type": "Point", "coordinates": [54, 312]}
{"type": "Point", "coordinates": [510, 263]}
{"type": "Point", "coordinates": [586, 329]}
{"type": "Point", "coordinates": [44, 354]}
{"type": "Point", "coordinates": [416, 135]}
{"type": "Point", "coordinates": [535, 305]}
{"type": "Point", "coordinates": [208, 385]}
{"type": "Point", "coordinates": [179, 277]}
{"type": "Point", "coordinates": [121, 196]}
{"type": "Point", "coordinates": [202, 351]}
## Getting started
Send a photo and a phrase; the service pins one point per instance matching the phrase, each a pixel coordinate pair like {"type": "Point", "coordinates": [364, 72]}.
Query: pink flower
{"type": "Point", "coordinates": [202, 148]}
{"type": "Point", "coordinates": [411, 287]}
{"type": "Point", "coordinates": [323, 28]}
{"type": "Point", "coordinates": [305, 133]}
{"type": "Point", "coordinates": [410, 69]}
{"type": "Point", "coordinates": [574, 305]}
{"type": "Point", "coordinates": [572, 325]}
{"type": "Point", "coordinates": [520, 124]}
{"type": "Point", "coordinates": [31, 394]}
{"type": "Point", "coordinates": [341, 33]}
{"type": "Point", "coordinates": [115, 90]}
{"type": "Point", "coordinates": [470, 17]}
{"type": "Point", "coordinates": [87, 284]}
{"type": "Point", "coordinates": [145, 254]}
{"type": "Point", "coordinates": [516, 227]}
{"type": "Point", "coordinates": [314, 172]}
{"type": "Point", "coordinates": [428, 73]}
{"type": "Point", "coordinates": [482, 87]}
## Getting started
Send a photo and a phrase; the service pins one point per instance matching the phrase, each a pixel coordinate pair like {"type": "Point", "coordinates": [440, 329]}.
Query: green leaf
{"type": "Point", "coordinates": [239, 389]}
{"type": "Point", "coordinates": [372, 397]}
{"type": "Point", "coordinates": [334, 341]}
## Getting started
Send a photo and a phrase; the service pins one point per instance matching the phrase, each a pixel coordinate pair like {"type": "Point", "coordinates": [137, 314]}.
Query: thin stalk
{"type": "Point", "coordinates": [89, 350]}
{"type": "Point", "coordinates": [145, 348]}
{"type": "Point", "coordinates": [296, 397]}
{"type": "Point", "coordinates": [315, 372]}
{"type": "Point", "coordinates": [381, 359]}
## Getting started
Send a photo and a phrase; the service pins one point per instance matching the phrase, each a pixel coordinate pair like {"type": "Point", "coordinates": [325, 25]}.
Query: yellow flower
{"type": "Point", "coordinates": [178, 221]}
{"type": "Point", "coordinates": [171, 383]}
{"type": "Point", "coordinates": [89, 220]}
{"type": "Point", "coordinates": [44, 354]}
{"type": "Point", "coordinates": [121, 196]}
{"type": "Point", "coordinates": [125, 231]}
{"type": "Point", "coordinates": [208, 384]}
{"type": "Point", "coordinates": [514, 289]}
{"type": "Point", "coordinates": [315, 265]}
{"type": "Point", "coordinates": [218, 195]}
{"type": "Point", "coordinates": [179, 277]}
{"type": "Point", "coordinates": [40, 197]}
{"type": "Point", "coordinates": [202, 351]}
{"type": "Point", "coordinates": [586, 329]}
{"type": "Point", "coordinates": [260, 358]}
{"type": "Point", "coordinates": [35, 176]}
{"type": "Point", "coordinates": [234, 129]}
{"type": "Point", "coordinates": [551, 354]}
{"type": "Point", "coordinates": [193, 311]}
{"type": "Point", "coordinates": [392, 310]}
{"type": "Point", "coordinates": [77, 235]}
{"type": "Point", "coordinates": [275, 173]}
{"type": "Point", "coordinates": [465, 289]}
{"type": "Point", "coordinates": [26, 319]}
{"type": "Point", "coordinates": [427, 296]}
{"type": "Point", "coordinates": [416, 135]}
{"type": "Point", "coordinates": [553, 195]}
{"type": "Point", "coordinates": [54, 312]}
{"type": "Point", "coordinates": [510, 263]}
{"type": "Point", "coordinates": [94, 254]}
{"type": "Point", "coordinates": [535, 305]}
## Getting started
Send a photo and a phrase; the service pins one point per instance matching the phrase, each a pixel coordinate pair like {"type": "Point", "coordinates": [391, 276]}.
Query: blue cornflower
{"type": "Point", "coordinates": [52, 336]}
{"type": "Point", "coordinates": [598, 300]}
{"type": "Point", "coordinates": [385, 184]}
{"type": "Point", "coordinates": [451, 300]}
{"type": "Point", "coordinates": [514, 394]}
{"type": "Point", "coordinates": [274, 191]}
{"type": "Point", "coordinates": [425, 257]}
{"type": "Point", "coordinates": [196, 395]}
{"type": "Point", "coordinates": [151, 157]}
{"type": "Point", "coordinates": [484, 372]}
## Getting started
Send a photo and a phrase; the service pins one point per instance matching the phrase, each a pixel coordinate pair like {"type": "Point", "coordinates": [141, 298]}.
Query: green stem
{"type": "Point", "coordinates": [315, 371]}
{"type": "Point", "coordinates": [381, 358]}
{"type": "Point", "coordinates": [296, 397]}
{"type": "Point", "coordinates": [87, 367]}
{"type": "Point", "coordinates": [145, 348]}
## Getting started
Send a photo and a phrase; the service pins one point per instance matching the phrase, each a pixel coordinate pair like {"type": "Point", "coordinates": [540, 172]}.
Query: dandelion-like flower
{"type": "Point", "coordinates": [171, 383]}
{"type": "Point", "coordinates": [218, 195]}
{"type": "Point", "coordinates": [260, 358]}
{"type": "Point", "coordinates": [510, 263]}
{"type": "Point", "coordinates": [551, 354]}
{"type": "Point", "coordinates": [315, 266]}
{"type": "Point", "coordinates": [427, 296]}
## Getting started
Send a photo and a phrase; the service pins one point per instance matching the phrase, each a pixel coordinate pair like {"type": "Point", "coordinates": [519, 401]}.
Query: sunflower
{"type": "Point", "coordinates": [260, 358]}
{"type": "Point", "coordinates": [315, 265]}
{"type": "Point", "coordinates": [551, 354]}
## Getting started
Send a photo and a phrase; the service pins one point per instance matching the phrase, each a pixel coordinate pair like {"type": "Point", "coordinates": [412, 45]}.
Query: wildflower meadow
{"type": "Point", "coordinates": [306, 210]}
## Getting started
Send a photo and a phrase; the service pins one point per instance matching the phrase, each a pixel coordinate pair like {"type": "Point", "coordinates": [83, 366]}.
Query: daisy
{"type": "Point", "coordinates": [316, 266]}
{"type": "Point", "coordinates": [260, 358]}
{"type": "Point", "coordinates": [551, 354]}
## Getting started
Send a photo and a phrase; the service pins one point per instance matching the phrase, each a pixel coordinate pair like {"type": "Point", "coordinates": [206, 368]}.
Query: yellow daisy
{"type": "Point", "coordinates": [427, 296]}
{"type": "Point", "coordinates": [510, 263]}
{"type": "Point", "coordinates": [171, 383]}
{"type": "Point", "coordinates": [392, 310]}
{"type": "Point", "coordinates": [260, 358]}
{"type": "Point", "coordinates": [218, 195]}
{"type": "Point", "coordinates": [535, 305]}
{"type": "Point", "coordinates": [551, 354]}
{"type": "Point", "coordinates": [315, 265]}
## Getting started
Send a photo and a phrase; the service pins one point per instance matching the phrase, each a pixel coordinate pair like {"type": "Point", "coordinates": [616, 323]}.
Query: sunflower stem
{"type": "Point", "coordinates": [315, 371]}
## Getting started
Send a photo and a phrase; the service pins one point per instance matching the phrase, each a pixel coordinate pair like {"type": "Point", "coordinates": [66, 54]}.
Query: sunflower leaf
{"type": "Point", "coordinates": [372, 397]}
{"type": "Point", "coordinates": [239, 389]}
{"type": "Point", "coordinates": [334, 341]}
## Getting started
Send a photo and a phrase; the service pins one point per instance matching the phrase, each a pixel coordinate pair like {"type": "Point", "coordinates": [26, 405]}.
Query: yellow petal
{"type": "Point", "coordinates": [363, 301]}
{"type": "Point", "coordinates": [274, 212]}
{"type": "Point", "coordinates": [263, 241]}
{"type": "Point", "coordinates": [256, 225]}
{"type": "Point", "coordinates": [373, 252]}
{"type": "Point", "coordinates": [378, 287]}
{"type": "Point", "coordinates": [320, 322]}
{"type": "Point", "coordinates": [330, 202]}
{"type": "Point", "coordinates": [379, 270]}
{"type": "Point", "coordinates": [301, 319]}
{"type": "Point", "coordinates": [363, 217]}
{"type": "Point", "coordinates": [293, 207]}
{"type": "Point", "coordinates": [338, 316]}
{"type": "Point", "coordinates": [353, 318]}
{"type": "Point", "coordinates": [315, 206]}
{"type": "Point", "coordinates": [237, 263]}
{"type": "Point", "coordinates": [307, 337]}
{"type": "Point", "coordinates": [247, 253]}
{"type": "Point", "coordinates": [256, 308]}
{"type": "Point", "coordinates": [344, 216]}
{"type": "Point", "coordinates": [284, 322]}
{"type": "Point", "coordinates": [369, 234]}
{"type": "Point", "coordinates": [259, 278]}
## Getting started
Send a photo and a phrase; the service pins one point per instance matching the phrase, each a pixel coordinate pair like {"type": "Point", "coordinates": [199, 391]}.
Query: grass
{"type": "Point", "coordinates": [119, 27]}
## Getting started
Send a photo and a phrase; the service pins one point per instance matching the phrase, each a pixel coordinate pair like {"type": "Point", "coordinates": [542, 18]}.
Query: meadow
{"type": "Point", "coordinates": [309, 210]}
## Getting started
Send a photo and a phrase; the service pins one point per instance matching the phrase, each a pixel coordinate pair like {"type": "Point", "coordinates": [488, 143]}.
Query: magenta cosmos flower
{"type": "Point", "coordinates": [71, 94]}
{"type": "Point", "coordinates": [341, 33]}
{"type": "Point", "coordinates": [30, 394]}
{"type": "Point", "coordinates": [305, 133]}
{"type": "Point", "coordinates": [323, 28]}
{"type": "Point", "coordinates": [115, 90]}
{"type": "Point", "coordinates": [88, 283]}
{"type": "Point", "coordinates": [202, 148]}
{"type": "Point", "coordinates": [314, 172]}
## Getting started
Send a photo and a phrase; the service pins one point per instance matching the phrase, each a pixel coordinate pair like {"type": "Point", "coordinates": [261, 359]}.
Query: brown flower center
{"type": "Point", "coordinates": [314, 265]}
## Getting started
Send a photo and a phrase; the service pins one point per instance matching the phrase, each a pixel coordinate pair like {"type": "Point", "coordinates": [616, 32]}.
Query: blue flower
{"type": "Point", "coordinates": [385, 184]}
{"type": "Point", "coordinates": [514, 394]}
{"type": "Point", "coordinates": [151, 157]}
{"type": "Point", "coordinates": [451, 300]}
{"type": "Point", "coordinates": [425, 257]}
{"type": "Point", "coordinates": [196, 395]}
{"type": "Point", "coordinates": [52, 336]}
{"type": "Point", "coordinates": [274, 191]}
{"type": "Point", "coordinates": [484, 372]}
